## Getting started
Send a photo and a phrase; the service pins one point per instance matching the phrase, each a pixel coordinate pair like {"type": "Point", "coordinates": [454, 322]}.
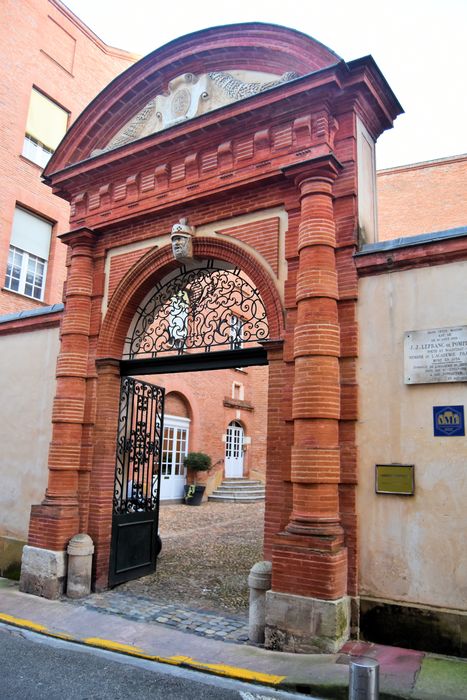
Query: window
{"type": "Point", "coordinates": [28, 254]}
{"type": "Point", "coordinates": [236, 333]}
{"type": "Point", "coordinates": [45, 127]}
{"type": "Point", "coordinates": [237, 391]}
{"type": "Point", "coordinates": [174, 449]}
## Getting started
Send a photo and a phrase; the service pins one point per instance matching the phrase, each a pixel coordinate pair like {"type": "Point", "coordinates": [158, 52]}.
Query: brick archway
{"type": "Point", "coordinates": [293, 147]}
{"type": "Point", "coordinates": [155, 265]}
{"type": "Point", "coordinates": [124, 303]}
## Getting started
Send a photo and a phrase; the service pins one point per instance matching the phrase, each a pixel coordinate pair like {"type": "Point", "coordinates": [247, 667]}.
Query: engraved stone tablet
{"type": "Point", "coordinates": [436, 355]}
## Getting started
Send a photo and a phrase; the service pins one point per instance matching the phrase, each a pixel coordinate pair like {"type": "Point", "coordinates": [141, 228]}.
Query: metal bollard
{"type": "Point", "coordinates": [259, 582]}
{"type": "Point", "coordinates": [364, 679]}
{"type": "Point", "coordinates": [80, 550]}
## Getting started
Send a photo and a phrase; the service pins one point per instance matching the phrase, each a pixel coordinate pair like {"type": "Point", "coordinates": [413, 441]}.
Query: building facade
{"type": "Point", "coordinates": [232, 128]}
{"type": "Point", "coordinates": [264, 139]}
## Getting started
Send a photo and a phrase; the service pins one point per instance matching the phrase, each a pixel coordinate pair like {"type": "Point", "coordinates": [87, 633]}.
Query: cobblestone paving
{"type": "Point", "coordinates": [195, 621]}
{"type": "Point", "coordinates": [200, 584]}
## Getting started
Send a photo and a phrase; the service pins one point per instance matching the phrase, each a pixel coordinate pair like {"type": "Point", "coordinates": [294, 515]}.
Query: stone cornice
{"type": "Point", "coordinates": [406, 258]}
{"type": "Point", "coordinates": [31, 323]}
{"type": "Point", "coordinates": [365, 75]}
{"type": "Point", "coordinates": [78, 236]}
{"type": "Point", "coordinates": [325, 168]}
{"type": "Point", "coordinates": [183, 172]}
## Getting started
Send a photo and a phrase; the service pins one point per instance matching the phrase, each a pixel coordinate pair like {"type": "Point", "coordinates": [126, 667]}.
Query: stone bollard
{"type": "Point", "coordinates": [259, 582]}
{"type": "Point", "coordinates": [80, 550]}
{"type": "Point", "coordinates": [363, 679]}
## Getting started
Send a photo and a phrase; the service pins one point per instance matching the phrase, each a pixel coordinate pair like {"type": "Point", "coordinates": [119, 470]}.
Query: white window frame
{"type": "Point", "coordinates": [31, 236]}
{"type": "Point", "coordinates": [177, 423]}
{"type": "Point", "coordinates": [23, 278]}
{"type": "Point", "coordinates": [35, 151]}
{"type": "Point", "coordinates": [33, 148]}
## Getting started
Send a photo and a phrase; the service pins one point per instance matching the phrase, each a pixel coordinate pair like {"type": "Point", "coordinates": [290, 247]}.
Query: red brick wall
{"type": "Point", "coordinates": [422, 198]}
{"type": "Point", "coordinates": [175, 404]}
{"type": "Point", "coordinates": [46, 46]}
{"type": "Point", "coordinates": [119, 266]}
{"type": "Point", "coordinates": [263, 234]}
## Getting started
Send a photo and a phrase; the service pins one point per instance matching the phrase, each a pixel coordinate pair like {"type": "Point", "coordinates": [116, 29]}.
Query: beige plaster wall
{"type": "Point", "coordinates": [412, 549]}
{"type": "Point", "coordinates": [27, 386]}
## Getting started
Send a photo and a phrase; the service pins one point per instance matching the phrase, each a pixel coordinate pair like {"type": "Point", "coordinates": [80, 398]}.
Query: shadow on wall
{"type": "Point", "coordinates": [11, 551]}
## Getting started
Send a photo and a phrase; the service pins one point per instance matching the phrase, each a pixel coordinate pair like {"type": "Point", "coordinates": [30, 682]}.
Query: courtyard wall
{"type": "Point", "coordinates": [27, 375]}
{"type": "Point", "coordinates": [412, 548]}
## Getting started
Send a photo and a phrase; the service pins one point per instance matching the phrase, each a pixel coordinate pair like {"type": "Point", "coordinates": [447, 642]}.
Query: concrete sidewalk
{"type": "Point", "coordinates": [404, 673]}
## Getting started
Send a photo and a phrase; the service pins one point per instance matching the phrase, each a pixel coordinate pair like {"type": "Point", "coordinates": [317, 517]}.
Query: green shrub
{"type": "Point", "coordinates": [197, 461]}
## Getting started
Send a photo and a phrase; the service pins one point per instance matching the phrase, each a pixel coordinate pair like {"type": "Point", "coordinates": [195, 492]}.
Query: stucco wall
{"type": "Point", "coordinates": [27, 383]}
{"type": "Point", "coordinates": [411, 548]}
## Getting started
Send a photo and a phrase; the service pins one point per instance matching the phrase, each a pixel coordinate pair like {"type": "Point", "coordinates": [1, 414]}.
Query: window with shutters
{"type": "Point", "coordinates": [45, 127]}
{"type": "Point", "coordinates": [28, 254]}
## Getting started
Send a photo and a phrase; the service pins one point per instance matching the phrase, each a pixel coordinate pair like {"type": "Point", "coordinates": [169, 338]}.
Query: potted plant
{"type": "Point", "coordinates": [196, 462]}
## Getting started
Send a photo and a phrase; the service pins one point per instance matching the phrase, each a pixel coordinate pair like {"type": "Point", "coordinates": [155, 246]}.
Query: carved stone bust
{"type": "Point", "coordinates": [182, 240]}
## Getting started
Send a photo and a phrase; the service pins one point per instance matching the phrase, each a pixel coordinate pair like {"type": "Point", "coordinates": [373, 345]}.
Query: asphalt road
{"type": "Point", "coordinates": [34, 667]}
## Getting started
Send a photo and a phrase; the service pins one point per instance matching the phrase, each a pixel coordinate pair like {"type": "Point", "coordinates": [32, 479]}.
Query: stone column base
{"type": "Point", "coordinates": [304, 625]}
{"type": "Point", "coordinates": [43, 572]}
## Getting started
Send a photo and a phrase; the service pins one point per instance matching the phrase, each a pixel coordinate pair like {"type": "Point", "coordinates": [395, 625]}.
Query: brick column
{"type": "Point", "coordinates": [278, 487]}
{"type": "Point", "coordinates": [309, 557]}
{"type": "Point", "coordinates": [56, 520]}
{"type": "Point", "coordinates": [316, 392]}
{"type": "Point", "coordinates": [103, 467]}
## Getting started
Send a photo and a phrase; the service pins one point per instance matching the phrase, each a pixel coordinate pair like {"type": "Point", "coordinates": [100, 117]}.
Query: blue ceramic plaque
{"type": "Point", "coordinates": [448, 421]}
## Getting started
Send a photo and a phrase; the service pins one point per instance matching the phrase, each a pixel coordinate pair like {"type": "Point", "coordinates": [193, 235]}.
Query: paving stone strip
{"type": "Point", "coordinates": [195, 621]}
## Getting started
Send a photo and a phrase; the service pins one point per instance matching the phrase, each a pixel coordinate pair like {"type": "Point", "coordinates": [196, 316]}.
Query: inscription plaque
{"type": "Point", "coordinates": [436, 355]}
{"type": "Point", "coordinates": [395, 479]}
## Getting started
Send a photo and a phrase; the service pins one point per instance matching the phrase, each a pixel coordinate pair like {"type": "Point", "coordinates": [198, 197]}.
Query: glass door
{"type": "Point", "coordinates": [174, 449]}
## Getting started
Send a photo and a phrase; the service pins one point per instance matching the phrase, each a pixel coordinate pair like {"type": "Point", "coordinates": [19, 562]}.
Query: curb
{"type": "Point", "coordinates": [334, 691]}
{"type": "Point", "coordinates": [234, 672]}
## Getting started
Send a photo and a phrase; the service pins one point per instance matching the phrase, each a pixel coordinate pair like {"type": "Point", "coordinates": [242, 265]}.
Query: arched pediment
{"type": "Point", "coordinates": [187, 78]}
{"type": "Point", "coordinates": [188, 96]}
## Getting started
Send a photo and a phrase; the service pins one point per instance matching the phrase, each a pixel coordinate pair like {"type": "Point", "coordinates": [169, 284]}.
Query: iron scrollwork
{"type": "Point", "coordinates": [138, 447]}
{"type": "Point", "coordinates": [198, 310]}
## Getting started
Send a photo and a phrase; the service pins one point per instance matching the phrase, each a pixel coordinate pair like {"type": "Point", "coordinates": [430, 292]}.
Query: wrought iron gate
{"type": "Point", "coordinates": [135, 542]}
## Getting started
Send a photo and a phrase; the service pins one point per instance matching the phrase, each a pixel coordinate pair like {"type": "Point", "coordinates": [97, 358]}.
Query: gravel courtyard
{"type": "Point", "coordinates": [207, 553]}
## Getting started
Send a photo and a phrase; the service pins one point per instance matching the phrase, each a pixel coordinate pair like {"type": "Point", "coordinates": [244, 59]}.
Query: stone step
{"type": "Point", "coordinates": [244, 489]}
{"type": "Point", "coordinates": [241, 482]}
{"type": "Point", "coordinates": [237, 498]}
{"type": "Point", "coordinates": [240, 494]}
{"type": "Point", "coordinates": [239, 490]}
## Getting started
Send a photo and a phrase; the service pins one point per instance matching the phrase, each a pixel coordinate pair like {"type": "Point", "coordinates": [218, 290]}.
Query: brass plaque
{"type": "Point", "coordinates": [395, 479]}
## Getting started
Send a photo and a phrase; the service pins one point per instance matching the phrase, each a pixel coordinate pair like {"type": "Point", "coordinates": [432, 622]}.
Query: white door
{"type": "Point", "coordinates": [234, 450]}
{"type": "Point", "coordinates": [174, 449]}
